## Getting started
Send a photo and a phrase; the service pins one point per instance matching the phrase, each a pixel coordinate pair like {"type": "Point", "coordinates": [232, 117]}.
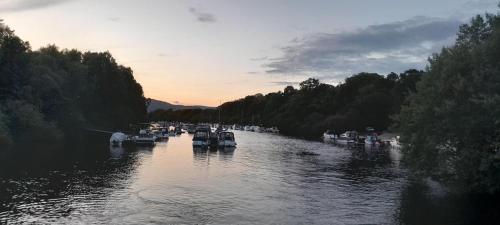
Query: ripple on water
{"type": "Point", "coordinates": [267, 179]}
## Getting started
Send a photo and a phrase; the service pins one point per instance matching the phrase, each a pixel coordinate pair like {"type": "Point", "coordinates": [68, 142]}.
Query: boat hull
{"type": "Point", "coordinates": [200, 143]}
{"type": "Point", "coordinates": [227, 144]}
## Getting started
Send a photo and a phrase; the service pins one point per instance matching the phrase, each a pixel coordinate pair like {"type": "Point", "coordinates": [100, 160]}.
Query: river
{"type": "Point", "coordinates": [267, 179]}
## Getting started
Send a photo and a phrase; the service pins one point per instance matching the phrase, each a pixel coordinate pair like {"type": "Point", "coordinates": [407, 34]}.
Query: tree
{"type": "Point", "coordinates": [451, 125]}
{"type": "Point", "coordinates": [289, 90]}
{"type": "Point", "coordinates": [50, 95]}
{"type": "Point", "coordinates": [309, 84]}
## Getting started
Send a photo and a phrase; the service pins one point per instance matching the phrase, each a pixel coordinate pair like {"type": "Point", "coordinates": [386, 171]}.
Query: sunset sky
{"type": "Point", "coordinates": [210, 51]}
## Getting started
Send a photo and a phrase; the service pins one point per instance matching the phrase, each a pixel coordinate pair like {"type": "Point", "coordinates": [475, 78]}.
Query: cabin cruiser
{"type": "Point", "coordinates": [372, 140]}
{"type": "Point", "coordinates": [178, 130]}
{"type": "Point", "coordinates": [191, 129]}
{"type": "Point", "coordinates": [273, 130]}
{"type": "Point", "coordinates": [329, 136]}
{"type": "Point", "coordinates": [161, 133]}
{"type": "Point", "coordinates": [144, 138]}
{"type": "Point", "coordinates": [347, 138]}
{"type": "Point", "coordinates": [226, 139]}
{"type": "Point", "coordinates": [395, 142]}
{"type": "Point", "coordinates": [201, 137]}
{"type": "Point", "coordinates": [171, 131]}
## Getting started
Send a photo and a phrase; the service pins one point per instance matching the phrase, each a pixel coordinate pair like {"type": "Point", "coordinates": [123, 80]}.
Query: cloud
{"type": "Point", "coordinates": [378, 48]}
{"type": "Point", "coordinates": [202, 16]}
{"type": "Point", "coordinates": [284, 83]}
{"type": "Point", "coordinates": [474, 7]}
{"type": "Point", "coordinates": [478, 6]}
{"type": "Point", "coordinates": [259, 58]}
{"type": "Point", "coordinates": [21, 5]}
{"type": "Point", "coordinates": [114, 19]}
{"type": "Point", "coordinates": [167, 55]}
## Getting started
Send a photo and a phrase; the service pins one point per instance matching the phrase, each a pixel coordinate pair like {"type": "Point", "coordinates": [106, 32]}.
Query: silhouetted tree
{"type": "Point", "coordinates": [451, 125]}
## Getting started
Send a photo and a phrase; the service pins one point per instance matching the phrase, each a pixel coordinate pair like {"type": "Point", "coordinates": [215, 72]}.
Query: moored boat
{"type": "Point", "coordinates": [201, 137]}
{"type": "Point", "coordinates": [117, 139]}
{"type": "Point", "coordinates": [191, 129]}
{"type": "Point", "coordinates": [161, 134]}
{"type": "Point", "coordinates": [226, 139]}
{"type": "Point", "coordinates": [178, 130]}
{"type": "Point", "coordinates": [273, 130]}
{"type": "Point", "coordinates": [347, 138]}
{"type": "Point", "coordinates": [394, 141]}
{"type": "Point", "coordinates": [329, 136]}
{"type": "Point", "coordinates": [144, 138]}
{"type": "Point", "coordinates": [372, 140]}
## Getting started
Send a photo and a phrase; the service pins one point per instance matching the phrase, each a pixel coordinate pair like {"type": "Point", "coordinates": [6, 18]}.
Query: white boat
{"type": "Point", "coordinates": [144, 138]}
{"type": "Point", "coordinates": [395, 142]}
{"type": "Point", "coordinates": [273, 130]}
{"type": "Point", "coordinates": [253, 128]}
{"type": "Point", "coordinates": [161, 134]}
{"type": "Point", "coordinates": [329, 136]}
{"type": "Point", "coordinates": [226, 139]}
{"type": "Point", "coordinates": [117, 139]}
{"type": "Point", "coordinates": [348, 137]}
{"type": "Point", "coordinates": [201, 138]}
{"type": "Point", "coordinates": [259, 129]}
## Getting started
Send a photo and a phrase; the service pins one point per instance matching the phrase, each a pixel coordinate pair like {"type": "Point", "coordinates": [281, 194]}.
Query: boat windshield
{"type": "Point", "coordinates": [226, 136]}
{"type": "Point", "coordinates": [201, 134]}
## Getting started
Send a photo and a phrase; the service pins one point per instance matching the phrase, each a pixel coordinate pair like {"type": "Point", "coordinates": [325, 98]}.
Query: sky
{"type": "Point", "coordinates": [205, 52]}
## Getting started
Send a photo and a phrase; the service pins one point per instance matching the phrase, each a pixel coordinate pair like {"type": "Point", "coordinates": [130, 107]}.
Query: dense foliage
{"type": "Point", "coordinates": [451, 125]}
{"type": "Point", "coordinates": [50, 95]}
{"type": "Point", "coordinates": [365, 99]}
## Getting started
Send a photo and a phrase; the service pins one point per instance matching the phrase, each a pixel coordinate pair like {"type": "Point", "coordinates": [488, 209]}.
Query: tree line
{"type": "Point", "coordinates": [51, 95]}
{"type": "Point", "coordinates": [365, 99]}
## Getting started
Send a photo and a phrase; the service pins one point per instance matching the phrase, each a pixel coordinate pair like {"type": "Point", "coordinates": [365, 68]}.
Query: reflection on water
{"type": "Point", "coordinates": [203, 156]}
{"type": "Point", "coordinates": [267, 179]}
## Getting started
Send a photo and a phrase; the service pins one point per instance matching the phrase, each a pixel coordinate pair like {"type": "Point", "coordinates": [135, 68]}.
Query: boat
{"type": "Point", "coordinates": [273, 130]}
{"type": "Point", "coordinates": [201, 137]}
{"type": "Point", "coordinates": [144, 138]}
{"type": "Point", "coordinates": [329, 136]}
{"type": "Point", "coordinates": [191, 129]}
{"type": "Point", "coordinates": [117, 139]}
{"type": "Point", "coordinates": [226, 139]}
{"type": "Point", "coordinates": [161, 134]}
{"type": "Point", "coordinates": [347, 138]}
{"type": "Point", "coordinates": [394, 141]}
{"type": "Point", "coordinates": [171, 131]}
{"type": "Point", "coordinates": [178, 130]}
{"type": "Point", "coordinates": [372, 140]}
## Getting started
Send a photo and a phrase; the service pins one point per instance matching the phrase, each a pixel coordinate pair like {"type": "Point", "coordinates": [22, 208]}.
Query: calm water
{"type": "Point", "coordinates": [268, 179]}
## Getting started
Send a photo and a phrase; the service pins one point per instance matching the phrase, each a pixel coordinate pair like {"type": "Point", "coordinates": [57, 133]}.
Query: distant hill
{"type": "Point", "coordinates": [157, 104]}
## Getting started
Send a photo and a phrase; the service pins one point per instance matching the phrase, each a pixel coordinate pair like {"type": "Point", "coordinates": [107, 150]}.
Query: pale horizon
{"type": "Point", "coordinates": [209, 52]}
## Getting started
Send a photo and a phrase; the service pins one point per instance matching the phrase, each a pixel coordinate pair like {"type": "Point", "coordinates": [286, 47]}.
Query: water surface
{"type": "Point", "coordinates": [267, 179]}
